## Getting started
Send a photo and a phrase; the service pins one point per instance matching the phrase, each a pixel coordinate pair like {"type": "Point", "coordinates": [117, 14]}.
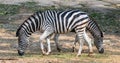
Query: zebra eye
{"type": "Point", "coordinates": [20, 41]}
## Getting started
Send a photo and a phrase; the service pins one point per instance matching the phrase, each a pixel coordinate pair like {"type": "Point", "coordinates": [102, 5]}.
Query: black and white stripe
{"type": "Point", "coordinates": [57, 22]}
{"type": "Point", "coordinates": [92, 27]}
{"type": "Point", "coordinates": [62, 21]}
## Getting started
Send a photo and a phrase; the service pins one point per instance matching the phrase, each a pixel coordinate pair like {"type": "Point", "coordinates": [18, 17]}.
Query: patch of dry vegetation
{"type": "Point", "coordinates": [109, 24]}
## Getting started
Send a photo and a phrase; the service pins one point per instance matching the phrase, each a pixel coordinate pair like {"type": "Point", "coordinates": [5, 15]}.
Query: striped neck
{"type": "Point", "coordinates": [32, 24]}
{"type": "Point", "coordinates": [94, 29]}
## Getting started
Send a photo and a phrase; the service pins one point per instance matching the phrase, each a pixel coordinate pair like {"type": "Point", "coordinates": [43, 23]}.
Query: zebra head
{"type": "Point", "coordinates": [97, 35]}
{"type": "Point", "coordinates": [98, 41]}
{"type": "Point", "coordinates": [29, 26]}
{"type": "Point", "coordinates": [23, 41]}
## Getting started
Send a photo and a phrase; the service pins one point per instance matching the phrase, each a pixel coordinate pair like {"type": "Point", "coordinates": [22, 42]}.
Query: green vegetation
{"type": "Point", "coordinates": [8, 9]}
{"type": "Point", "coordinates": [68, 57]}
{"type": "Point", "coordinates": [109, 22]}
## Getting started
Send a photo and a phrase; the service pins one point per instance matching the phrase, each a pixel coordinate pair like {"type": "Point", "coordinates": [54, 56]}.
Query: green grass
{"type": "Point", "coordinates": [68, 58]}
{"type": "Point", "coordinates": [9, 27]}
{"type": "Point", "coordinates": [8, 9]}
{"type": "Point", "coordinates": [67, 55]}
{"type": "Point", "coordinates": [108, 22]}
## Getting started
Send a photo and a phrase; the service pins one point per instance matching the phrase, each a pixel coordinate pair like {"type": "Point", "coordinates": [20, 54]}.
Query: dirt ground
{"type": "Point", "coordinates": [9, 43]}
{"type": "Point", "coordinates": [8, 51]}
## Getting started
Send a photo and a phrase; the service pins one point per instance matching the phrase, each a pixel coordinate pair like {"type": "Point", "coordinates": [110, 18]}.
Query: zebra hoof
{"type": "Point", "coordinates": [48, 53]}
{"type": "Point", "coordinates": [78, 55]}
{"type": "Point", "coordinates": [21, 53]}
{"type": "Point", "coordinates": [90, 54]}
{"type": "Point", "coordinates": [59, 50]}
{"type": "Point", "coordinates": [73, 49]}
{"type": "Point", "coordinates": [43, 52]}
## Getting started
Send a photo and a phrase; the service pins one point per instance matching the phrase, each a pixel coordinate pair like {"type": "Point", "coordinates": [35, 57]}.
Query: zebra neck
{"type": "Point", "coordinates": [25, 32]}
{"type": "Point", "coordinates": [94, 29]}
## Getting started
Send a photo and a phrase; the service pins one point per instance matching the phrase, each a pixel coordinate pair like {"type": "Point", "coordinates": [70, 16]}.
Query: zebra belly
{"type": "Point", "coordinates": [64, 31]}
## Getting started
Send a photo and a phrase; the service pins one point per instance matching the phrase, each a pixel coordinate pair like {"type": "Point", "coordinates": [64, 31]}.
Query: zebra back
{"type": "Point", "coordinates": [62, 21]}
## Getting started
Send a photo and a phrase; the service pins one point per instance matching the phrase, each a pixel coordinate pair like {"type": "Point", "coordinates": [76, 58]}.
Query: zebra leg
{"type": "Point", "coordinates": [49, 48]}
{"type": "Point", "coordinates": [56, 42]}
{"type": "Point", "coordinates": [80, 47]}
{"type": "Point", "coordinates": [74, 43]}
{"type": "Point", "coordinates": [43, 36]}
{"type": "Point", "coordinates": [88, 40]}
{"type": "Point", "coordinates": [80, 40]}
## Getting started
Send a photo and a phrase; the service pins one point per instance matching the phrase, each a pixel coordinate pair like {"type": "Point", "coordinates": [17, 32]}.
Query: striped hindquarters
{"type": "Point", "coordinates": [94, 29]}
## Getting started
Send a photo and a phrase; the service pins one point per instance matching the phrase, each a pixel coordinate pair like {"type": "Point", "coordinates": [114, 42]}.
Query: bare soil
{"type": "Point", "coordinates": [8, 48]}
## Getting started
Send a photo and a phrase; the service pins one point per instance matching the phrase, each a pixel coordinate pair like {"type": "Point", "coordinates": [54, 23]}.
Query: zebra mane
{"type": "Point", "coordinates": [17, 32]}
{"type": "Point", "coordinates": [98, 27]}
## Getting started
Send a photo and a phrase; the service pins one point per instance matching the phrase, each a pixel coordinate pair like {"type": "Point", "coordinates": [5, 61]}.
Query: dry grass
{"type": "Point", "coordinates": [8, 45]}
{"type": "Point", "coordinates": [8, 52]}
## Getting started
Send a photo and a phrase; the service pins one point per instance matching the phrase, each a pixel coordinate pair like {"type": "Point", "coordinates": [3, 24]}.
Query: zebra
{"type": "Point", "coordinates": [96, 32]}
{"type": "Point", "coordinates": [53, 22]}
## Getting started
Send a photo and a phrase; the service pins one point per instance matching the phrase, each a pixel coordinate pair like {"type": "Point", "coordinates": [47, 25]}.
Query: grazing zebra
{"type": "Point", "coordinates": [52, 22]}
{"type": "Point", "coordinates": [96, 32]}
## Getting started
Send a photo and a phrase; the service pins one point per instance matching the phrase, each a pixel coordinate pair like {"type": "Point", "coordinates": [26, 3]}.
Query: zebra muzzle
{"type": "Point", "coordinates": [101, 50]}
